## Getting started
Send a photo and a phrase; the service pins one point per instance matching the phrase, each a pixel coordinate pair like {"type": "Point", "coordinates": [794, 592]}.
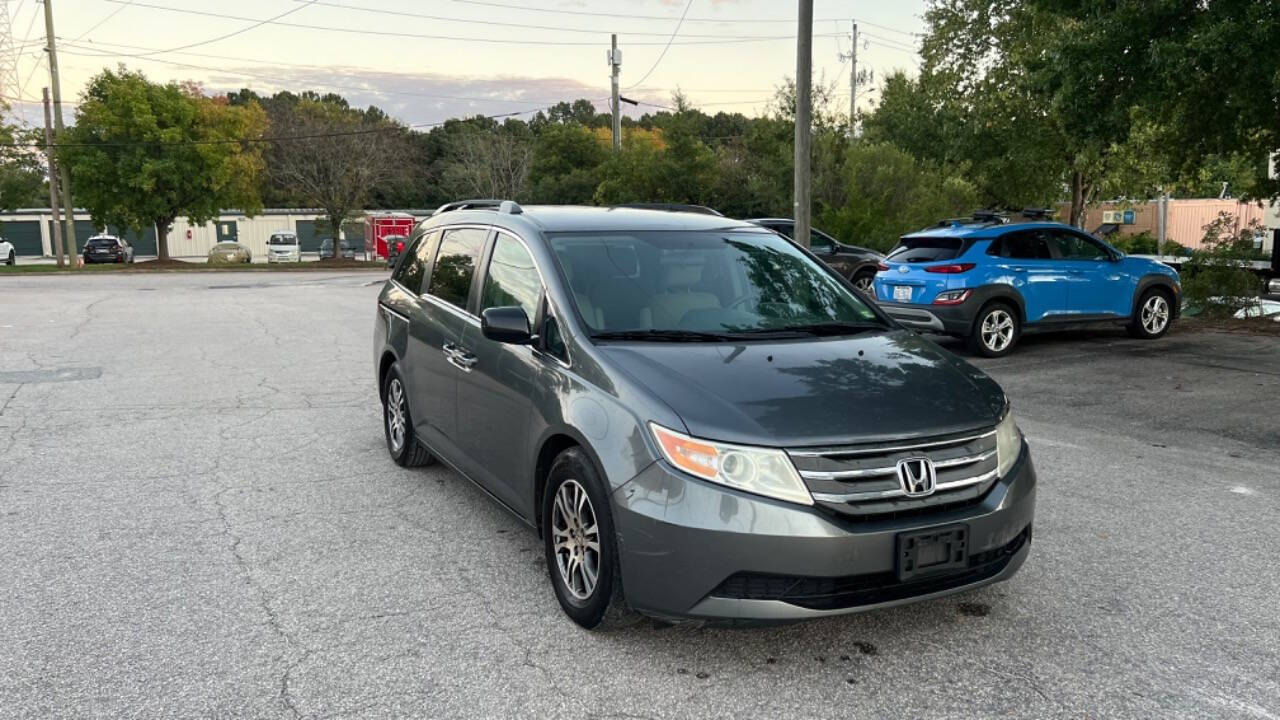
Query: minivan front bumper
{"type": "Point", "coordinates": [690, 549]}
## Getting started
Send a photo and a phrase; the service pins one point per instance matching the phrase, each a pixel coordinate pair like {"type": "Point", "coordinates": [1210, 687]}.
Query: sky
{"type": "Point", "coordinates": [424, 61]}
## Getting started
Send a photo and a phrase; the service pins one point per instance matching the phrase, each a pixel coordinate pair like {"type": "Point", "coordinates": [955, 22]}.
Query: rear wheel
{"type": "Point", "coordinates": [864, 281]}
{"type": "Point", "coordinates": [402, 444]}
{"type": "Point", "coordinates": [1154, 315]}
{"type": "Point", "coordinates": [580, 545]}
{"type": "Point", "coordinates": [995, 330]}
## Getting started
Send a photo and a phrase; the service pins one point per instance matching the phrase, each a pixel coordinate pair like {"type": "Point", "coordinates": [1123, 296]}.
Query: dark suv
{"type": "Point", "coordinates": [859, 264]}
{"type": "Point", "coordinates": [700, 419]}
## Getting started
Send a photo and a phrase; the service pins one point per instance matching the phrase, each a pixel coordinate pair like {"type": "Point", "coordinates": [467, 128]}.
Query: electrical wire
{"type": "Point", "coordinates": [256, 24]}
{"type": "Point", "coordinates": [663, 54]}
{"type": "Point", "coordinates": [103, 21]}
{"type": "Point", "coordinates": [425, 36]}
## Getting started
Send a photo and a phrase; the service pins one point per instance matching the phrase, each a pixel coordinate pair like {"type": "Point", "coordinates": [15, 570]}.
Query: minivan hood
{"type": "Point", "coordinates": [815, 391]}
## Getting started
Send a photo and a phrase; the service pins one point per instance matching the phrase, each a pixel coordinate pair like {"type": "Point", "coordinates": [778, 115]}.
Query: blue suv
{"type": "Point", "coordinates": [988, 281]}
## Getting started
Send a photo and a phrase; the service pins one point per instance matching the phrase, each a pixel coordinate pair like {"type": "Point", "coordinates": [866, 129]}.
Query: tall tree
{"type": "Point", "coordinates": [143, 153]}
{"type": "Point", "coordinates": [333, 156]}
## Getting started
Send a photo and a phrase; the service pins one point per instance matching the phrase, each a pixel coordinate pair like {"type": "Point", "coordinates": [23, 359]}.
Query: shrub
{"type": "Point", "coordinates": [1144, 243]}
{"type": "Point", "coordinates": [1216, 280]}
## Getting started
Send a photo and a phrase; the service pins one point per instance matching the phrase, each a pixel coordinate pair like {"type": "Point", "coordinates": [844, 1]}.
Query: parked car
{"type": "Point", "coordinates": [349, 248]}
{"type": "Point", "coordinates": [107, 249]}
{"type": "Point", "coordinates": [990, 281]}
{"type": "Point", "coordinates": [284, 247]}
{"type": "Point", "coordinates": [395, 246]}
{"type": "Point", "coordinates": [1273, 285]}
{"type": "Point", "coordinates": [700, 420]}
{"type": "Point", "coordinates": [1262, 308]}
{"type": "Point", "coordinates": [856, 263]}
{"type": "Point", "coordinates": [230, 252]}
{"type": "Point", "coordinates": [7, 254]}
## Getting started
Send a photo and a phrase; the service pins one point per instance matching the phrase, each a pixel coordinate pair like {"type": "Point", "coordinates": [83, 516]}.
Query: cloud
{"type": "Point", "coordinates": [419, 97]}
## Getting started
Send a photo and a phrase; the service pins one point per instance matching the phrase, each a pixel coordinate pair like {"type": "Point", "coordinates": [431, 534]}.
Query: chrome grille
{"type": "Point", "coordinates": [862, 480]}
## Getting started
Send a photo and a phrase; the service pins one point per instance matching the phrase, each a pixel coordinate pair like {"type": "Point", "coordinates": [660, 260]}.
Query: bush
{"type": "Point", "coordinates": [1216, 282]}
{"type": "Point", "coordinates": [1144, 243]}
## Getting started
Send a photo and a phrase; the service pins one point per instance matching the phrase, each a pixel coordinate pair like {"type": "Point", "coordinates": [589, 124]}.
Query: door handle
{"type": "Point", "coordinates": [1018, 269]}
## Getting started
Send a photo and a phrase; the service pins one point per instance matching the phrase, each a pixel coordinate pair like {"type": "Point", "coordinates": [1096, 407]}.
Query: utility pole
{"type": "Point", "coordinates": [804, 139]}
{"type": "Point", "coordinates": [64, 175]}
{"type": "Point", "coordinates": [615, 66]}
{"type": "Point", "coordinates": [53, 181]}
{"type": "Point", "coordinates": [853, 83]}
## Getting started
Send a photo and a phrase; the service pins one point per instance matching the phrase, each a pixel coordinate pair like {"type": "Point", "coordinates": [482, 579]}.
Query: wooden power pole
{"type": "Point", "coordinates": [69, 221]}
{"type": "Point", "coordinates": [53, 181]}
{"type": "Point", "coordinates": [804, 137]}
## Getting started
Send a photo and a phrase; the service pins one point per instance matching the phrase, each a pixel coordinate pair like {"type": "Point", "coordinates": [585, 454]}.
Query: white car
{"type": "Point", "coordinates": [284, 247]}
{"type": "Point", "coordinates": [7, 255]}
{"type": "Point", "coordinates": [1261, 308]}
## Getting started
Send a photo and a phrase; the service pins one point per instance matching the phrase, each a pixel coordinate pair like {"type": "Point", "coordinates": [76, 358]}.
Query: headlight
{"type": "Point", "coordinates": [1008, 444]}
{"type": "Point", "coordinates": [763, 471]}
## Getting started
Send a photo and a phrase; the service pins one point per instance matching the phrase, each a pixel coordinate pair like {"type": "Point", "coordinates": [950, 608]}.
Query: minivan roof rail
{"type": "Point", "coordinates": [671, 207]}
{"type": "Point", "coordinates": [511, 207]}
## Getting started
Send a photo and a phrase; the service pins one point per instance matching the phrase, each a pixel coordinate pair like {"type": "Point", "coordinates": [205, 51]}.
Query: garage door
{"type": "Point", "coordinates": [144, 244]}
{"type": "Point", "coordinates": [25, 236]}
{"type": "Point", "coordinates": [84, 231]}
{"type": "Point", "coordinates": [307, 235]}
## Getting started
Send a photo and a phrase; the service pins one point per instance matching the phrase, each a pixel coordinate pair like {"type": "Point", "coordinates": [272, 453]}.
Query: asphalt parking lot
{"type": "Point", "coordinates": [198, 518]}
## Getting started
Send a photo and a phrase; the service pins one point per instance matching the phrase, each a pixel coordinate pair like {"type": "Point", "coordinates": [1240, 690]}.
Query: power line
{"type": "Point", "coordinates": [630, 16]}
{"type": "Point", "coordinates": [525, 26]}
{"type": "Point", "coordinates": [663, 54]}
{"type": "Point", "coordinates": [256, 24]}
{"type": "Point", "coordinates": [423, 36]}
{"type": "Point", "coordinates": [103, 21]}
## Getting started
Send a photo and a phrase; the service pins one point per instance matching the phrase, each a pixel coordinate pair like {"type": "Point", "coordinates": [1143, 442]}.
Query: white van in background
{"type": "Point", "coordinates": [284, 247]}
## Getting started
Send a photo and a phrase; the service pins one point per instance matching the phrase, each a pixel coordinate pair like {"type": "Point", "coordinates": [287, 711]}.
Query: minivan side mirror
{"type": "Point", "coordinates": [508, 325]}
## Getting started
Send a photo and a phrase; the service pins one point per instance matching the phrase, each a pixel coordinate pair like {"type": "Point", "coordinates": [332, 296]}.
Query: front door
{"type": "Point", "coordinates": [1097, 287]}
{"type": "Point", "coordinates": [494, 405]}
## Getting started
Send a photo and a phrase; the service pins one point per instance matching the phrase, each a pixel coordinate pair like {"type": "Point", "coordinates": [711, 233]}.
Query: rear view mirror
{"type": "Point", "coordinates": [508, 325]}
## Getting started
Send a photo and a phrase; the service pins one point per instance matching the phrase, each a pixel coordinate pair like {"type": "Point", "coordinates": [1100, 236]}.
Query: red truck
{"type": "Point", "coordinates": [378, 226]}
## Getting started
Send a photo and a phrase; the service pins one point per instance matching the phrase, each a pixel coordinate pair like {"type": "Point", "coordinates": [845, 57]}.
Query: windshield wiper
{"type": "Point", "coordinates": [820, 329]}
{"type": "Point", "coordinates": [662, 335]}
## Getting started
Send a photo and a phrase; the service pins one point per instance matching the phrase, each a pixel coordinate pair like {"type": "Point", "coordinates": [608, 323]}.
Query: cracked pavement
{"type": "Point", "coordinates": [210, 526]}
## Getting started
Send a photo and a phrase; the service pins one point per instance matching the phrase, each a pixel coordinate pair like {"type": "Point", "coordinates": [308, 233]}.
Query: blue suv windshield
{"type": "Point", "coordinates": [703, 282]}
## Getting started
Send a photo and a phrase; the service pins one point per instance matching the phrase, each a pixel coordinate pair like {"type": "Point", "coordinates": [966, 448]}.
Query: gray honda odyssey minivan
{"type": "Point", "coordinates": [702, 420]}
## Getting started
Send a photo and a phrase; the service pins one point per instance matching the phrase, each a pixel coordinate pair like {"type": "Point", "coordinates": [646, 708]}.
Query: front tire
{"type": "Point", "coordinates": [12, 259]}
{"type": "Point", "coordinates": [580, 546]}
{"type": "Point", "coordinates": [397, 423]}
{"type": "Point", "coordinates": [995, 331]}
{"type": "Point", "coordinates": [1153, 317]}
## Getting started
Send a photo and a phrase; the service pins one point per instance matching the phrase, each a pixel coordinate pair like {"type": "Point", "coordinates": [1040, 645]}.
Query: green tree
{"type": "Point", "coordinates": [143, 153]}
{"type": "Point", "coordinates": [891, 193]}
{"type": "Point", "coordinates": [566, 167]}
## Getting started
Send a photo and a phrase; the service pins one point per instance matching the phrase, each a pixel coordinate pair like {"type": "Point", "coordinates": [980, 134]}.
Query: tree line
{"type": "Point", "coordinates": [1017, 103]}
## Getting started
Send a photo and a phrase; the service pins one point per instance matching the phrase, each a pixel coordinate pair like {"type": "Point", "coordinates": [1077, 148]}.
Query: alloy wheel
{"type": "Point", "coordinates": [1155, 314]}
{"type": "Point", "coordinates": [395, 413]}
{"type": "Point", "coordinates": [575, 538]}
{"type": "Point", "coordinates": [864, 283]}
{"type": "Point", "coordinates": [997, 330]}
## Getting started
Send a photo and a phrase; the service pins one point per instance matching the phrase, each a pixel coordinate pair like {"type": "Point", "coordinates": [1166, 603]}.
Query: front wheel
{"type": "Point", "coordinates": [402, 444]}
{"type": "Point", "coordinates": [580, 545]}
{"type": "Point", "coordinates": [1154, 315]}
{"type": "Point", "coordinates": [12, 259]}
{"type": "Point", "coordinates": [995, 331]}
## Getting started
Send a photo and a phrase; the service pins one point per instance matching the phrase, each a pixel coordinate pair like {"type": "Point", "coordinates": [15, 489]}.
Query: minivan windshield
{"type": "Point", "coordinates": [700, 285]}
{"type": "Point", "coordinates": [284, 240]}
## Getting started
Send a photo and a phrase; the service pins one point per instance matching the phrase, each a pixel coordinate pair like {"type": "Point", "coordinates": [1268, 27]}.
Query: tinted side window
{"type": "Point", "coordinates": [1074, 247]}
{"type": "Point", "coordinates": [1026, 246]}
{"type": "Point", "coordinates": [455, 265]}
{"type": "Point", "coordinates": [818, 241]}
{"type": "Point", "coordinates": [512, 278]}
{"type": "Point", "coordinates": [411, 268]}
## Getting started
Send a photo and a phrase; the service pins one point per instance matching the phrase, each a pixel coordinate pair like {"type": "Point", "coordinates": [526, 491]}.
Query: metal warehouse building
{"type": "Point", "coordinates": [31, 232]}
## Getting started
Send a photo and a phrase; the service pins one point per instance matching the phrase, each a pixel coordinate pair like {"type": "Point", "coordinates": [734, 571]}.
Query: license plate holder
{"type": "Point", "coordinates": [902, 293]}
{"type": "Point", "coordinates": [936, 550]}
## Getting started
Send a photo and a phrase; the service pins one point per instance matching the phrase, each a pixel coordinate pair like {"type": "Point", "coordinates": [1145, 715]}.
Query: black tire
{"type": "Point", "coordinates": [995, 331]}
{"type": "Point", "coordinates": [867, 277]}
{"type": "Point", "coordinates": [1153, 315]}
{"type": "Point", "coordinates": [604, 607]}
{"type": "Point", "coordinates": [408, 452]}
{"type": "Point", "coordinates": [12, 259]}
